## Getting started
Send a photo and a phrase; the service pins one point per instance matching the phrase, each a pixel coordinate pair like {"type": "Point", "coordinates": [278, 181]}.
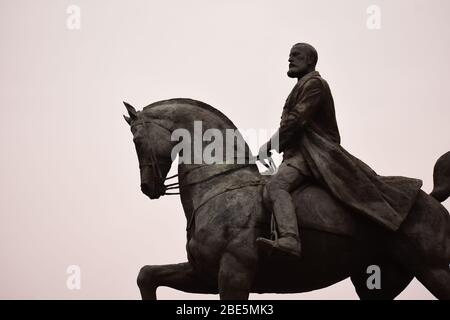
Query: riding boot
{"type": "Point", "coordinates": [286, 222]}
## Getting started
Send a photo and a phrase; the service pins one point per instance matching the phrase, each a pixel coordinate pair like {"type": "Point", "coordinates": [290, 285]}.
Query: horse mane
{"type": "Point", "coordinates": [196, 103]}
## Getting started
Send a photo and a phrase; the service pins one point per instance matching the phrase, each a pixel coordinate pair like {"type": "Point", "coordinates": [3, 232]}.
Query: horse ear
{"type": "Point", "coordinates": [131, 111]}
{"type": "Point", "coordinates": [127, 119]}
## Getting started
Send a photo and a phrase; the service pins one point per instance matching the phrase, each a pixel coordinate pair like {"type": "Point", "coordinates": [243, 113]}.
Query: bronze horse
{"type": "Point", "coordinates": [225, 214]}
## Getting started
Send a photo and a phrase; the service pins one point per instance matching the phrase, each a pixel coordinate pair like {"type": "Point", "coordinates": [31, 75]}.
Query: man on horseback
{"type": "Point", "coordinates": [309, 138]}
{"type": "Point", "coordinates": [310, 101]}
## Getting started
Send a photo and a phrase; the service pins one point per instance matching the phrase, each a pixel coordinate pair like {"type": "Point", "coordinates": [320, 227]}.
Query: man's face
{"type": "Point", "coordinates": [298, 63]}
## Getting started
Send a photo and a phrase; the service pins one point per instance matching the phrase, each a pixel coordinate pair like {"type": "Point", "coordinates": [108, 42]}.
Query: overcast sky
{"type": "Point", "coordinates": [69, 174]}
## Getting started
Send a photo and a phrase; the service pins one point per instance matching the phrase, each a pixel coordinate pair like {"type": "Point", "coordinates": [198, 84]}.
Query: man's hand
{"type": "Point", "coordinates": [264, 152]}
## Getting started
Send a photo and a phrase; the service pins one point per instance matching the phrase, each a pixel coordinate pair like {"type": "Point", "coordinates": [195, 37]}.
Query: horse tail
{"type": "Point", "coordinates": [441, 177]}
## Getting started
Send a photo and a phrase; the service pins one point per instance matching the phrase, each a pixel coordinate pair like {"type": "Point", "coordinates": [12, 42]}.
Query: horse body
{"type": "Point", "coordinates": [338, 246]}
{"type": "Point", "coordinates": [225, 215]}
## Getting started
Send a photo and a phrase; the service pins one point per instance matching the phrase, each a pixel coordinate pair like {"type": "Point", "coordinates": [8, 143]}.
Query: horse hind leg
{"type": "Point", "coordinates": [393, 280]}
{"type": "Point", "coordinates": [433, 272]}
{"type": "Point", "coordinates": [422, 245]}
{"type": "Point", "coordinates": [437, 281]}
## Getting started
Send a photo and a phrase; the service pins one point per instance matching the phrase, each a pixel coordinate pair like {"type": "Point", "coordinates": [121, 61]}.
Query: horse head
{"type": "Point", "coordinates": [151, 138]}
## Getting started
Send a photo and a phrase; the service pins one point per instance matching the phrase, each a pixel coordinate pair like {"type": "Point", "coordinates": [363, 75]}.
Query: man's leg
{"type": "Point", "coordinates": [277, 196]}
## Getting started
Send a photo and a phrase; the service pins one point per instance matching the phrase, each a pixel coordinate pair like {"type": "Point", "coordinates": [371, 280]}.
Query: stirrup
{"type": "Point", "coordinates": [273, 228]}
{"type": "Point", "coordinates": [272, 249]}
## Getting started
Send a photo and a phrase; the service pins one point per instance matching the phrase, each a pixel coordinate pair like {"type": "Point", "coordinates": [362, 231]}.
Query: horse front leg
{"type": "Point", "coordinates": [179, 276]}
{"type": "Point", "coordinates": [236, 276]}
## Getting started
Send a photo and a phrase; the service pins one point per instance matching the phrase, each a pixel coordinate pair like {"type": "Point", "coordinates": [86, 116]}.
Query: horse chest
{"type": "Point", "coordinates": [205, 249]}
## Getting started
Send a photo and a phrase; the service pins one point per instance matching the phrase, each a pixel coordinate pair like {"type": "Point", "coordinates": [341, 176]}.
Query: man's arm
{"type": "Point", "coordinates": [308, 103]}
{"type": "Point", "coordinates": [297, 117]}
{"type": "Point", "coordinates": [273, 143]}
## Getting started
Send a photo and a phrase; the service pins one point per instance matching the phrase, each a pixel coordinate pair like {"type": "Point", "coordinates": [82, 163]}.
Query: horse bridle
{"type": "Point", "coordinates": [154, 164]}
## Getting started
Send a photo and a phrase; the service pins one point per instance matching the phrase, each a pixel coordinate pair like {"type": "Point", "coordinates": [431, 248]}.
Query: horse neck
{"type": "Point", "coordinates": [196, 121]}
{"type": "Point", "coordinates": [184, 117]}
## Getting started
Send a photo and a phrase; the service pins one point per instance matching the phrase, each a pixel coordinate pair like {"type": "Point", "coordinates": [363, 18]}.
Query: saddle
{"type": "Point", "coordinates": [316, 208]}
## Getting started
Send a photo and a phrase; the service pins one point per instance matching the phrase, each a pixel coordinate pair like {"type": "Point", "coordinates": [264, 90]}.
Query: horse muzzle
{"type": "Point", "coordinates": [152, 190]}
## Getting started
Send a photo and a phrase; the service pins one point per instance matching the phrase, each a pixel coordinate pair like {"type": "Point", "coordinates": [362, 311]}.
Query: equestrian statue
{"type": "Point", "coordinates": [321, 217]}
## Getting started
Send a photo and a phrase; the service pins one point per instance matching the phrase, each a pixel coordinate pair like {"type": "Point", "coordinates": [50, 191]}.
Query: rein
{"type": "Point", "coordinates": [155, 165]}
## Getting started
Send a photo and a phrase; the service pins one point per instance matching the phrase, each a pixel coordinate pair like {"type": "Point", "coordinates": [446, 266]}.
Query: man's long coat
{"type": "Point", "coordinates": [309, 138]}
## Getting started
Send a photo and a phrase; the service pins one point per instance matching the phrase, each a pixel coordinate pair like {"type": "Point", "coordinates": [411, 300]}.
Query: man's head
{"type": "Point", "coordinates": [302, 60]}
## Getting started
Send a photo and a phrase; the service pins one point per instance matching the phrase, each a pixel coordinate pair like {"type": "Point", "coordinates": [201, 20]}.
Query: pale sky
{"type": "Point", "coordinates": [69, 175]}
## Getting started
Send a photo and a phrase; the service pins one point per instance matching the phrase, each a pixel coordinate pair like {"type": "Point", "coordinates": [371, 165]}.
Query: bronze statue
{"type": "Point", "coordinates": [310, 140]}
{"type": "Point", "coordinates": [348, 216]}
